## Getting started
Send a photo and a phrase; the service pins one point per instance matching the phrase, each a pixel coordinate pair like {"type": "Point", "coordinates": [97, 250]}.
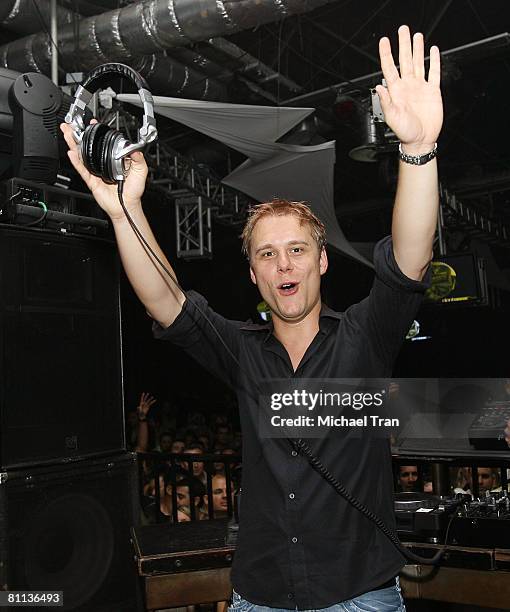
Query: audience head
{"type": "Point", "coordinates": [165, 442]}
{"type": "Point", "coordinates": [221, 436]}
{"type": "Point", "coordinates": [488, 479]}
{"type": "Point", "coordinates": [149, 488]}
{"type": "Point", "coordinates": [205, 441]}
{"type": "Point", "coordinates": [177, 446]}
{"type": "Point", "coordinates": [219, 495]}
{"type": "Point", "coordinates": [186, 489]}
{"type": "Point", "coordinates": [407, 477]}
{"type": "Point", "coordinates": [198, 466]}
{"type": "Point", "coordinates": [220, 467]}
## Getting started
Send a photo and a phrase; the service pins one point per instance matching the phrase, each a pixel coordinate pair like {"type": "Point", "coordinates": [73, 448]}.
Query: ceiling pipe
{"type": "Point", "coordinates": [166, 76]}
{"type": "Point", "coordinates": [147, 28]}
{"type": "Point", "coordinates": [249, 65]}
{"type": "Point", "coordinates": [22, 17]}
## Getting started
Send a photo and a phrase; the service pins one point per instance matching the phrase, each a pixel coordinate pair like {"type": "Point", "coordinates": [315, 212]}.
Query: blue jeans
{"type": "Point", "coordinates": [382, 600]}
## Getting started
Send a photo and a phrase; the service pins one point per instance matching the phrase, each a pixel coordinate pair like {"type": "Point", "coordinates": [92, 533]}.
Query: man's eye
{"type": "Point", "coordinates": [267, 253]}
{"type": "Point", "coordinates": [297, 249]}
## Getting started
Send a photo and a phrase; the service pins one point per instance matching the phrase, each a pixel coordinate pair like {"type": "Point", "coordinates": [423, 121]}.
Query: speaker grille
{"type": "Point", "coordinates": [60, 349]}
{"type": "Point", "coordinates": [68, 528]}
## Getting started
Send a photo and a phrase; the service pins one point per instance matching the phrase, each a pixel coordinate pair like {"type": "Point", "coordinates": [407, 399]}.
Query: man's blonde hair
{"type": "Point", "coordinates": [278, 208]}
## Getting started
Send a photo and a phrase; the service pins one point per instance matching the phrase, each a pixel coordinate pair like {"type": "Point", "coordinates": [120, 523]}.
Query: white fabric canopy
{"type": "Point", "coordinates": [272, 169]}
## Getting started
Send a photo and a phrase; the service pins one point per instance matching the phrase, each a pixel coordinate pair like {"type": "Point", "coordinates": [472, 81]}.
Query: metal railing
{"type": "Point", "coordinates": [167, 470]}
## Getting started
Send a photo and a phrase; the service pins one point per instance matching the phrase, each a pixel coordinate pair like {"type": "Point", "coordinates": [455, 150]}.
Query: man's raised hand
{"type": "Point", "coordinates": [144, 405]}
{"type": "Point", "coordinates": [106, 195]}
{"type": "Point", "coordinates": [411, 103]}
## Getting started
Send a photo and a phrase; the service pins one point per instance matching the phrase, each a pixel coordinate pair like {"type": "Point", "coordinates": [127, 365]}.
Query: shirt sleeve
{"type": "Point", "coordinates": [387, 314]}
{"type": "Point", "coordinates": [210, 339]}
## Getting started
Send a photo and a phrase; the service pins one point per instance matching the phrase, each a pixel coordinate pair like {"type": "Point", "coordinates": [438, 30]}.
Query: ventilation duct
{"type": "Point", "coordinates": [165, 75]}
{"type": "Point", "coordinates": [147, 28]}
{"type": "Point", "coordinates": [21, 15]}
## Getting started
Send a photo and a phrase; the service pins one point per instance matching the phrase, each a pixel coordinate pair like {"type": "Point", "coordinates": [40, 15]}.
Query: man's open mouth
{"type": "Point", "coordinates": [287, 288]}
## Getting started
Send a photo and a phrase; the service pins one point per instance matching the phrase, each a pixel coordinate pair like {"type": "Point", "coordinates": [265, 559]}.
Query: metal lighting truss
{"type": "Point", "coordinates": [199, 198]}
{"type": "Point", "coordinates": [193, 228]}
{"type": "Point", "coordinates": [474, 222]}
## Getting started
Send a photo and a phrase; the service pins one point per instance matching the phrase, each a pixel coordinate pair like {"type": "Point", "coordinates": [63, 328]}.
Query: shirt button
{"type": "Point", "coordinates": [294, 539]}
{"type": "Point", "coordinates": [290, 595]}
{"type": "Point", "coordinates": [291, 495]}
{"type": "Point", "coordinates": [294, 453]}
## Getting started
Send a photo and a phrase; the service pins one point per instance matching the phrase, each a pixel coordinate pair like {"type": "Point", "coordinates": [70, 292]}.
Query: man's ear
{"type": "Point", "coordinates": [323, 261]}
{"type": "Point", "coordinates": [252, 276]}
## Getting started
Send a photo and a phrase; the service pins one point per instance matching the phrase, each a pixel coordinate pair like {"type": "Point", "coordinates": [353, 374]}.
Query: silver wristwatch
{"type": "Point", "coordinates": [417, 160]}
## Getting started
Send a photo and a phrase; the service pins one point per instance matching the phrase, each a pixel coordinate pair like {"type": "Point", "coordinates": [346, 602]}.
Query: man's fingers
{"type": "Point", "coordinates": [405, 54]}
{"type": "Point", "coordinates": [138, 161]}
{"type": "Point", "coordinates": [137, 157]}
{"type": "Point", "coordinates": [385, 98]}
{"type": "Point", "coordinates": [68, 136]}
{"type": "Point", "coordinates": [418, 56]}
{"type": "Point", "coordinates": [389, 69]}
{"type": "Point", "coordinates": [79, 167]}
{"type": "Point", "coordinates": [67, 130]}
{"type": "Point", "coordinates": [138, 166]}
{"type": "Point", "coordinates": [435, 66]}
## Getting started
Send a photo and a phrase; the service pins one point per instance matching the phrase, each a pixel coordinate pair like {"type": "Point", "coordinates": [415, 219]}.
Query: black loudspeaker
{"type": "Point", "coordinates": [67, 528]}
{"type": "Point", "coordinates": [35, 102]}
{"type": "Point", "coordinates": [60, 348]}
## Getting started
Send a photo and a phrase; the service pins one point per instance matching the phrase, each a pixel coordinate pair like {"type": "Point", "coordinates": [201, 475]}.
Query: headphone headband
{"type": "Point", "coordinates": [98, 75]}
{"type": "Point", "coordinates": [97, 79]}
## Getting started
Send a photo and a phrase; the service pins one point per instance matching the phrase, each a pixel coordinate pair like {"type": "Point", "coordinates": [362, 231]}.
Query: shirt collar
{"type": "Point", "coordinates": [326, 311]}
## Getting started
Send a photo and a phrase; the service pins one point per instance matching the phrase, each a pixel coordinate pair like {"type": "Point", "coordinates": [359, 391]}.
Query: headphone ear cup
{"type": "Point", "coordinates": [93, 146]}
{"type": "Point", "coordinates": [84, 146]}
{"type": "Point", "coordinates": [106, 155]}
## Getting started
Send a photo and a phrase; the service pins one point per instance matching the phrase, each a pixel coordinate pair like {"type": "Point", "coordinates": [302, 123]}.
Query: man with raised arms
{"type": "Point", "coordinates": [300, 545]}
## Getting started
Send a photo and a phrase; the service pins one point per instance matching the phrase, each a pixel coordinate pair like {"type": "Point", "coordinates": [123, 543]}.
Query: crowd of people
{"type": "Point", "coordinates": [169, 442]}
{"type": "Point", "coordinates": [409, 478]}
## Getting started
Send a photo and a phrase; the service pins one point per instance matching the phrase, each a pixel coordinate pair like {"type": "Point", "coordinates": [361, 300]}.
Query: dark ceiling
{"type": "Point", "coordinates": [321, 58]}
{"type": "Point", "coordinates": [337, 44]}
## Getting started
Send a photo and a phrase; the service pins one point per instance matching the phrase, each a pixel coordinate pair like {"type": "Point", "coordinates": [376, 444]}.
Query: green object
{"type": "Point", "coordinates": [264, 311]}
{"type": "Point", "coordinates": [444, 279]}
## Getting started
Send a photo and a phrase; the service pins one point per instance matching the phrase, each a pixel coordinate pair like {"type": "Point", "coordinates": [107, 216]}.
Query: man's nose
{"type": "Point", "coordinates": [284, 262]}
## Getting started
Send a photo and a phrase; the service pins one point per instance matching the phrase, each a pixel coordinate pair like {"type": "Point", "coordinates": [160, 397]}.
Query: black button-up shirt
{"type": "Point", "coordinates": [300, 544]}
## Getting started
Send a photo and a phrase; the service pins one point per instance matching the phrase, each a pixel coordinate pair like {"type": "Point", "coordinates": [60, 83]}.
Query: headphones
{"type": "Point", "coordinates": [103, 150]}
